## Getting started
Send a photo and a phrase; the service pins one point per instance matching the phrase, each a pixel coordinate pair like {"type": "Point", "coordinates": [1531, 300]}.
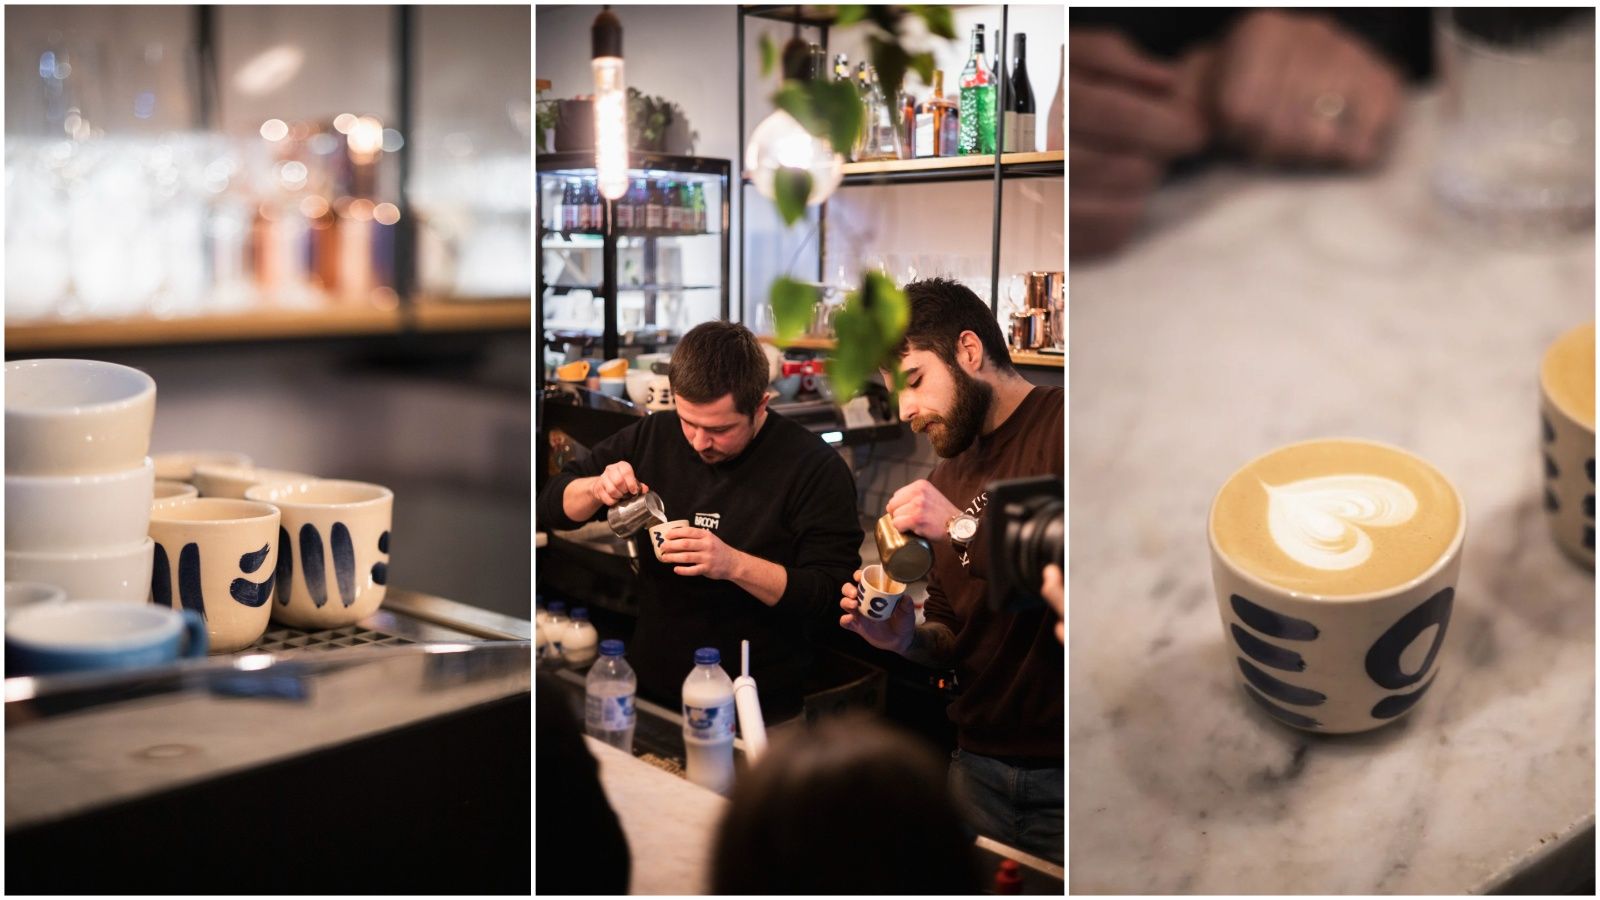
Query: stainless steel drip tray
{"type": "Point", "coordinates": [79, 742]}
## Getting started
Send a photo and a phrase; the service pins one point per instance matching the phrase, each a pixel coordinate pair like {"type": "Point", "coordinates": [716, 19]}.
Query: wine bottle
{"type": "Point", "coordinates": [977, 101]}
{"type": "Point", "coordinates": [1019, 136]}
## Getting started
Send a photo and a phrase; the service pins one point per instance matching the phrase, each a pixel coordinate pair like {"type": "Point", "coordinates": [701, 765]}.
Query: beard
{"type": "Point", "coordinates": [954, 431]}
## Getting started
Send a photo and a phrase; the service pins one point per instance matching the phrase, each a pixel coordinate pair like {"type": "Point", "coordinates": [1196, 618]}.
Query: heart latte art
{"type": "Point", "coordinates": [1336, 517]}
{"type": "Point", "coordinates": [1317, 521]}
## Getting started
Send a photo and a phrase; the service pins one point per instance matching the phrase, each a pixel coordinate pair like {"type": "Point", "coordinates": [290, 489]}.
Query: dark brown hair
{"type": "Point", "coordinates": [940, 310]}
{"type": "Point", "coordinates": [848, 806]}
{"type": "Point", "coordinates": [716, 359]}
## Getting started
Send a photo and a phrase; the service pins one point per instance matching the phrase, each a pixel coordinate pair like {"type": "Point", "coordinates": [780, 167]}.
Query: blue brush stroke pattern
{"type": "Point", "coordinates": [380, 573]}
{"type": "Point", "coordinates": [161, 579]}
{"type": "Point", "coordinates": [252, 561]}
{"type": "Point", "coordinates": [1273, 624]}
{"type": "Point", "coordinates": [1389, 707]}
{"type": "Point", "coordinates": [1280, 690]}
{"type": "Point", "coordinates": [250, 593]}
{"type": "Point", "coordinates": [383, 542]}
{"type": "Point", "coordinates": [316, 574]}
{"type": "Point", "coordinates": [189, 592]}
{"type": "Point", "coordinates": [1265, 653]}
{"type": "Point", "coordinates": [285, 574]}
{"type": "Point", "coordinates": [344, 563]}
{"type": "Point", "coordinates": [1278, 712]}
{"type": "Point", "coordinates": [1383, 659]}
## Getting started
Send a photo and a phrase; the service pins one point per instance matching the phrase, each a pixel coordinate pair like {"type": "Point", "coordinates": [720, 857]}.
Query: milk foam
{"type": "Point", "coordinates": [1317, 521]}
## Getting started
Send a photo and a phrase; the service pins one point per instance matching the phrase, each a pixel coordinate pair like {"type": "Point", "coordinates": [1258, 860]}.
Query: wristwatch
{"type": "Point", "coordinates": [961, 527]}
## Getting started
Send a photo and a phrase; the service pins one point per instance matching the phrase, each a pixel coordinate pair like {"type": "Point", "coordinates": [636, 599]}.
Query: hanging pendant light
{"type": "Point", "coordinates": [610, 106]}
{"type": "Point", "coordinates": [781, 142]}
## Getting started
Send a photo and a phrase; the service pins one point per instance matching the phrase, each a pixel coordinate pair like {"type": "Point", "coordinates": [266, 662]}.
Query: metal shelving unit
{"type": "Point", "coordinates": [995, 167]}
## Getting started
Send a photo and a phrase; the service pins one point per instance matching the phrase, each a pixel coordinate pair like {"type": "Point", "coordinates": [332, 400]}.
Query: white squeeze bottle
{"type": "Point", "coordinates": [578, 645]}
{"type": "Point", "coordinates": [708, 721]}
{"type": "Point", "coordinates": [555, 630]}
{"type": "Point", "coordinates": [608, 690]}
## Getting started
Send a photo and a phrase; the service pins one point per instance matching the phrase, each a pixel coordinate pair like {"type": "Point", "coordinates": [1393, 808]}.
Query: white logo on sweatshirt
{"type": "Point", "coordinates": [708, 521]}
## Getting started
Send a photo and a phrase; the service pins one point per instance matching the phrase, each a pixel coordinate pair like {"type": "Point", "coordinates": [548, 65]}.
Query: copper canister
{"type": "Point", "coordinates": [906, 557]}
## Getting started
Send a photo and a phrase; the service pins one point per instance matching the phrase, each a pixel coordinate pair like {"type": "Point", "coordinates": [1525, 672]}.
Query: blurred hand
{"type": "Point", "coordinates": [1054, 594]}
{"type": "Point", "coordinates": [616, 482]}
{"type": "Point", "coordinates": [1292, 88]}
{"type": "Point", "coordinates": [1129, 119]}
{"type": "Point", "coordinates": [892, 634]}
{"type": "Point", "coordinates": [919, 508]}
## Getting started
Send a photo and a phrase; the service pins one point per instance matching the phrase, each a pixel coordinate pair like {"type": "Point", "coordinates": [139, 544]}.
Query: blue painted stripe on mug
{"type": "Point", "coordinates": [285, 566]}
{"type": "Point", "coordinates": [161, 578]}
{"type": "Point", "coordinates": [1551, 504]}
{"type": "Point", "coordinates": [1265, 653]}
{"type": "Point", "coordinates": [1271, 623]}
{"type": "Point", "coordinates": [1392, 706]}
{"type": "Point", "coordinates": [316, 574]}
{"type": "Point", "coordinates": [250, 593]}
{"type": "Point", "coordinates": [1280, 690]}
{"type": "Point", "coordinates": [1549, 432]}
{"type": "Point", "coordinates": [380, 573]}
{"type": "Point", "coordinates": [344, 563]}
{"type": "Point", "coordinates": [252, 561]}
{"type": "Point", "coordinates": [1550, 470]}
{"type": "Point", "coordinates": [189, 591]}
{"type": "Point", "coordinates": [1278, 712]}
{"type": "Point", "coordinates": [383, 542]}
{"type": "Point", "coordinates": [1383, 658]}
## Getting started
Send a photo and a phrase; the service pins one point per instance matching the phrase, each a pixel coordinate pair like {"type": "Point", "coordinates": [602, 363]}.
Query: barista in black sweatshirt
{"type": "Point", "coordinates": [772, 529]}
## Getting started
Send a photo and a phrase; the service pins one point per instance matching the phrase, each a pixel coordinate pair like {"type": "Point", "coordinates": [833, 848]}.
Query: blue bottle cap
{"type": "Point", "coordinates": [581, 614]}
{"type": "Point", "coordinates": [558, 608]}
{"type": "Point", "coordinates": [707, 656]}
{"type": "Point", "coordinates": [611, 647]}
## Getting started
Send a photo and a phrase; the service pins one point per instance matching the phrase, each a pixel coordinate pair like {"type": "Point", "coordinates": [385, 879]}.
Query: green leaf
{"type": "Point", "coordinates": [824, 108]}
{"type": "Point", "coordinates": [888, 305]}
{"type": "Point", "coordinates": [792, 304]}
{"type": "Point", "coordinates": [891, 61]}
{"type": "Point", "coordinates": [769, 55]}
{"type": "Point", "coordinates": [794, 99]}
{"type": "Point", "coordinates": [849, 15]}
{"type": "Point", "coordinates": [938, 18]}
{"type": "Point", "coordinates": [791, 190]}
{"type": "Point", "coordinates": [924, 64]}
{"type": "Point", "coordinates": [856, 354]}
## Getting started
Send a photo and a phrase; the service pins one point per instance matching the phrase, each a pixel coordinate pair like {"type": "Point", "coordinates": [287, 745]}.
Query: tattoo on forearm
{"type": "Point", "coordinates": [932, 645]}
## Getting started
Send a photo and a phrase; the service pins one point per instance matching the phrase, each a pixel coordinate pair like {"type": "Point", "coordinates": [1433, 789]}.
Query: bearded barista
{"type": "Point", "coordinates": [772, 512]}
{"type": "Point", "coordinates": [986, 423]}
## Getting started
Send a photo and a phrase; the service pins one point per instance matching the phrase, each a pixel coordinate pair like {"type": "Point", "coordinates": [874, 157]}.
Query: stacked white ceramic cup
{"type": "Point", "coordinates": [79, 484]}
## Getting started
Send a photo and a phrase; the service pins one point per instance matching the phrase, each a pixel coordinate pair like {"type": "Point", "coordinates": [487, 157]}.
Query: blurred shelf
{"type": "Point", "coordinates": [956, 168]}
{"type": "Point", "coordinates": [802, 343]}
{"type": "Point", "coordinates": [426, 315]}
{"type": "Point", "coordinates": [596, 239]}
{"type": "Point", "coordinates": [1019, 357]}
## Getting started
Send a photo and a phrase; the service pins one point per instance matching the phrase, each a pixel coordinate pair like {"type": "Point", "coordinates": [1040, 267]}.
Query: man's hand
{"type": "Point", "coordinates": [1053, 592]}
{"type": "Point", "coordinates": [1130, 116]}
{"type": "Point", "coordinates": [616, 482]}
{"type": "Point", "coordinates": [892, 634]}
{"type": "Point", "coordinates": [920, 509]}
{"type": "Point", "coordinates": [1296, 88]}
{"type": "Point", "coordinates": [695, 551]}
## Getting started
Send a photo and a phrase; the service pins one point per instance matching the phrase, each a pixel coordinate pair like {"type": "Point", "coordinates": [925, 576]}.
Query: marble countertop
{"type": "Point", "coordinates": [1259, 309]}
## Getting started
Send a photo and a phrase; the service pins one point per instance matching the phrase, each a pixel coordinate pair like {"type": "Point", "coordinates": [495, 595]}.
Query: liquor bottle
{"type": "Point", "coordinates": [977, 100]}
{"type": "Point", "coordinates": [569, 206]}
{"type": "Point", "coordinates": [698, 196]}
{"type": "Point", "coordinates": [655, 214]}
{"type": "Point", "coordinates": [623, 209]}
{"type": "Point", "coordinates": [597, 205]}
{"type": "Point", "coordinates": [580, 192]}
{"type": "Point", "coordinates": [908, 126]}
{"type": "Point", "coordinates": [936, 122]}
{"type": "Point", "coordinates": [883, 126]}
{"type": "Point", "coordinates": [841, 68]}
{"type": "Point", "coordinates": [863, 90]}
{"type": "Point", "coordinates": [686, 208]}
{"type": "Point", "coordinates": [1020, 116]}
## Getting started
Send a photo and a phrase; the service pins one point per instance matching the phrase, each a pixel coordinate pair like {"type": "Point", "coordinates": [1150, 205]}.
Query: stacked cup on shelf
{"type": "Point", "coordinates": [78, 481]}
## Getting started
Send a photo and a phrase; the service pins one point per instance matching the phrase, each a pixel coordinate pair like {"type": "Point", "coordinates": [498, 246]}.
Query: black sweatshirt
{"type": "Point", "coordinates": [788, 499]}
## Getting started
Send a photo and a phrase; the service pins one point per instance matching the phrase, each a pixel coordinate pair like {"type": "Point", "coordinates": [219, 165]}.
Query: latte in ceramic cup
{"type": "Point", "coordinates": [1566, 419]}
{"type": "Point", "coordinates": [1335, 564]}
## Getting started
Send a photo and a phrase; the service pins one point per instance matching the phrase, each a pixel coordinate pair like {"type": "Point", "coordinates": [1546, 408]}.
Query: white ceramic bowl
{"type": "Point", "coordinates": [79, 513]}
{"type": "Point", "coordinates": [231, 482]}
{"type": "Point", "coordinates": [122, 574]}
{"type": "Point", "coordinates": [76, 416]}
{"type": "Point", "coordinates": [333, 553]}
{"type": "Point", "coordinates": [180, 466]}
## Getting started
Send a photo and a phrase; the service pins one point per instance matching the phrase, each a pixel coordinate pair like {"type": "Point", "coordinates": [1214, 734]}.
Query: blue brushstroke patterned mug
{"type": "Point", "coordinates": [218, 558]}
{"type": "Point", "coordinates": [333, 550]}
{"type": "Point", "coordinates": [87, 635]}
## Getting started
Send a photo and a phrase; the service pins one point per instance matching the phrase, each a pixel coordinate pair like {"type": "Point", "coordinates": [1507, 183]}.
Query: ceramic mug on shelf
{"type": "Point", "coordinates": [231, 482]}
{"type": "Point", "coordinates": [218, 558]}
{"type": "Point", "coordinates": [180, 465]}
{"type": "Point", "coordinates": [86, 635]}
{"type": "Point", "coordinates": [79, 513]}
{"type": "Point", "coordinates": [1566, 419]}
{"type": "Point", "coordinates": [168, 492]}
{"type": "Point", "coordinates": [76, 416]}
{"type": "Point", "coordinates": [333, 550]}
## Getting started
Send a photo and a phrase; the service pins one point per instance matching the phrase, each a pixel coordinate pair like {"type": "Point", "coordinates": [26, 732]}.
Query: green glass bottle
{"type": "Point", "coordinates": [977, 101]}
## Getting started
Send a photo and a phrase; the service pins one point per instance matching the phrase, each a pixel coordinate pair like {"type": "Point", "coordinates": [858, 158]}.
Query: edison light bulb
{"type": "Point", "coordinates": [781, 142]}
{"type": "Point", "coordinates": [610, 106]}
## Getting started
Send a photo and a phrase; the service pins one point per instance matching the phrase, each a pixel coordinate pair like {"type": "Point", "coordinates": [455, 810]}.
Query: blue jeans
{"type": "Point", "coordinates": [1015, 806]}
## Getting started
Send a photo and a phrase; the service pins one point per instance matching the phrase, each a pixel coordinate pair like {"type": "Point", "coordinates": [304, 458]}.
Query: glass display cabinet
{"type": "Point", "coordinates": [629, 276]}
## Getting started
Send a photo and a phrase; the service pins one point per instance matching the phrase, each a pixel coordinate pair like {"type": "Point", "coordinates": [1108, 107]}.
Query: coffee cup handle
{"type": "Point", "coordinates": [194, 627]}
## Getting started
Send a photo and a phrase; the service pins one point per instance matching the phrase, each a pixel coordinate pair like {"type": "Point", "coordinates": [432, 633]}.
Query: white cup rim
{"type": "Point", "coordinates": [1548, 396]}
{"type": "Point", "coordinates": [163, 622]}
{"type": "Point", "coordinates": [234, 512]}
{"type": "Point", "coordinates": [1450, 552]}
{"type": "Point", "coordinates": [867, 583]}
{"type": "Point", "coordinates": [274, 494]}
{"type": "Point", "coordinates": [144, 384]}
{"type": "Point", "coordinates": [131, 473]}
{"type": "Point", "coordinates": [125, 552]}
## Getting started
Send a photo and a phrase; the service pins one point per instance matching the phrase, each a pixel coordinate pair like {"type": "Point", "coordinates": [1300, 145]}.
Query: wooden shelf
{"type": "Point", "coordinates": [273, 323]}
{"type": "Point", "coordinates": [1019, 357]}
{"type": "Point", "coordinates": [933, 163]}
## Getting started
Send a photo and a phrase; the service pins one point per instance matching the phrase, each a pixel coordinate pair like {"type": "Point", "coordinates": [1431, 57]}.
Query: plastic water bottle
{"type": "Point", "coordinates": [540, 617]}
{"type": "Point", "coordinates": [708, 721]}
{"type": "Point", "coordinates": [578, 644]}
{"type": "Point", "coordinates": [555, 630]}
{"type": "Point", "coordinates": [609, 690]}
